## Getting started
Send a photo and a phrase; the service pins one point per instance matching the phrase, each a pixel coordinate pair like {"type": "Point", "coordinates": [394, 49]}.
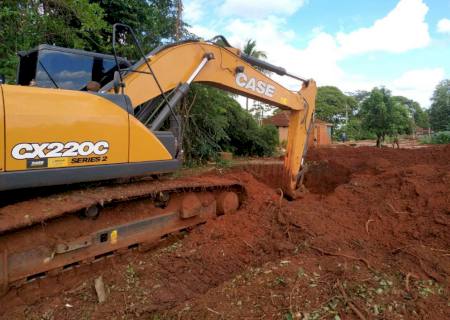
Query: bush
{"type": "Point", "coordinates": [442, 137]}
{"type": "Point", "coordinates": [215, 122]}
{"type": "Point", "coordinates": [354, 131]}
{"type": "Point", "coordinates": [246, 137]}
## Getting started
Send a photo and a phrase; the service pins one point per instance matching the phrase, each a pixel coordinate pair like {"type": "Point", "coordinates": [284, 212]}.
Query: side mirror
{"type": "Point", "coordinates": [117, 84]}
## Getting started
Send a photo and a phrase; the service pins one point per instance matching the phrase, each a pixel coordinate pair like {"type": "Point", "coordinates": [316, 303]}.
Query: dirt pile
{"type": "Point", "coordinates": [368, 240]}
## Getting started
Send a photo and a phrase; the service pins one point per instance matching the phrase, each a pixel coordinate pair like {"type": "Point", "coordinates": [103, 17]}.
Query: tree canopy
{"type": "Point", "coordinates": [80, 24]}
{"type": "Point", "coordinates": [332, 105]}
{"type": "Point", "coordinates": [419, 116]}
{"type": "Point", "coordinates": [25, 24]}
{"type": "Point", "coordinates": [251, 50]}
{"type": "Point", "coordinates": [153, 22]}
{"type": "Point", "coordinates": [369, 115]}
{"type": "Point", "coordinates": [384, 115]}
{"type": "Point", "coordinates": [214, 122]}
{"type": "Point", "coordinates": [440, 108]}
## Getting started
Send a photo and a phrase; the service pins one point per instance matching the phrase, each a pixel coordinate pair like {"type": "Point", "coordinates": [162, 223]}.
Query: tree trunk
{"type": "Point", "coordinates": [378, 141]}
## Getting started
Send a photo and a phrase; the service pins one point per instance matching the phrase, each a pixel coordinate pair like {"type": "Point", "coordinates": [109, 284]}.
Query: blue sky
{"type": "Point", "coordinates": [355, 45]}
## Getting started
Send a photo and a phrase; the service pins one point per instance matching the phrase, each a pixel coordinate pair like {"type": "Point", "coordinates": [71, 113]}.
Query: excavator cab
{"type": "Point", "coordinates": [49, 66]}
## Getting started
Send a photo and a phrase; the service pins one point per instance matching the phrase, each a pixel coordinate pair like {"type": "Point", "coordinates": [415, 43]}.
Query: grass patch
{"type": "Point", "coordinates": [442, 137]}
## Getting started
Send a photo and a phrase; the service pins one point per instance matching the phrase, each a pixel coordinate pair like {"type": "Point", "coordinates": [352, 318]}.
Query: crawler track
{"type": "Point", "coordinates": [47, 235]}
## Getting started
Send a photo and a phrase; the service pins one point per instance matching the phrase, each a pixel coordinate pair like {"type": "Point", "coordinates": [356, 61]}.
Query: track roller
{"type": "Point", "coordinates": [227, 203]}
{"type": "Point", "coordinates": [92, 212]}
{"type": "Point", "coordinates": [38, 251]}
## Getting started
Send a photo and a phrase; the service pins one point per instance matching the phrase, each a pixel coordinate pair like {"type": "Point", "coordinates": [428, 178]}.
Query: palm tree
{"type": "Point", "coordinates": [250, 49]}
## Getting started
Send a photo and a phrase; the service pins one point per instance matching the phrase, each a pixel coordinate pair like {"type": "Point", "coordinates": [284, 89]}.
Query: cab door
{"type": "Point", "coordinates": [53, 128]}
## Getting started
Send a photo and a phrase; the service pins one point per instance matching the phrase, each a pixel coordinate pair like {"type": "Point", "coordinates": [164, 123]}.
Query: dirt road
{"type": "Point", "coordinates": [370, 240]}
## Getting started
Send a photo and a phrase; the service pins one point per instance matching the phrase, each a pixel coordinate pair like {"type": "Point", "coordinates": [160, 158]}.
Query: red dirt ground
{"type": "Point", "coordinates": [368, 240]}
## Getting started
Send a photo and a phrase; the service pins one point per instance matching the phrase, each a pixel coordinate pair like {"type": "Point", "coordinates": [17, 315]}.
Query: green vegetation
{"type": "Point", "coordinates": [419, 116]}
{"type": "Point", "coordinates": [332, 105]}
{"type": "Point", "coordinates": [214, 120]}
{"type": "Point", "coordinates": [80, 24]}
{"type": "Point", "coordinates": [440, 108]}
{"type": "Point", "coordinates": [441, 137]}
{"type": "Point", "coordinates": [384, 116]}
{"type": "Point", "coordinates": [25, 24]}
{"type": "Point", "coordinates": [258, 108]}
{"type": "Point", "coordinates": [372, 115]}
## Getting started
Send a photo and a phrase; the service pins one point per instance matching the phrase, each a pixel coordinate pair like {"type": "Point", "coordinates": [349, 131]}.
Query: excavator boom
{"type": "Point", "coordinates": [176, 66]}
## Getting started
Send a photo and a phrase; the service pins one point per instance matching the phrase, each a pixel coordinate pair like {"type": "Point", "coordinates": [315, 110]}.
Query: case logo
{"type": "Point", "coordinates": [45, 150]}
{"type": "Point", "coordinates": [259, 86]}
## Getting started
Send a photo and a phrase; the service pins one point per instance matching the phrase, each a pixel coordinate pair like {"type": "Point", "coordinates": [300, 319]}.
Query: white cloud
{"type": "Point", "coordinates": [203, 32]}
{"type": "Point", "coordinates": [443, 26]}
{"type": "Point", "coordinates": [417, 84]}
{"type": "Point", "coordinates": [260, 8]}
{"type": "Point", "coordinates": [193, 10]}
{"type": "Point", "coordinates": [403, 29]}
{"type": "Point", "coordinates": [400, 30]}
{"type": "Point", "coordinates": [318, 60]}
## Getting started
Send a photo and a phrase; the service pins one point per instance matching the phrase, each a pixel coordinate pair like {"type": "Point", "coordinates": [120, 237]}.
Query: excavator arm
{"type": "Point", "coordinates": [175, 67]}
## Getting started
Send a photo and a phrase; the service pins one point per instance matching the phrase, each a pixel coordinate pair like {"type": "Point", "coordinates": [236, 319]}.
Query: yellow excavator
{"type": "Point", "coordinates": [56, 131]}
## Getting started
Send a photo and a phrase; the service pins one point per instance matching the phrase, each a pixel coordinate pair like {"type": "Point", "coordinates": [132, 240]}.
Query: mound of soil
{"type": "Point", "coordinates": [368, 239]}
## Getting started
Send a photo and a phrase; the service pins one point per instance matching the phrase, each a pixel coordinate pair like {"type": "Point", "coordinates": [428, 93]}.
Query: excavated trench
{"type": "Point", "coordinates": [323, 177]}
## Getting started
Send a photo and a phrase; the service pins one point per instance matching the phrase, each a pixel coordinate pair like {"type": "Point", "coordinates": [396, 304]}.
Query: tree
{"type": "Point", "coordinates": [359, 95]}
{"type": "Point", "coordinates": [153, 22]}
{"type": "Point", "coordinates": [383, 116]}
{"type": "Point", "coordinates": [25, 24]}
{"type": "Point", "coordinates": [250, 49]}
{"type": "Point", "coordinates": [259, 109]}
{"type": "Point", "coordinates": [440, 107]}
{"type": "Point", "coordinates": [82, 24]}
{"type": "Point", "coordinates": [334, 106]}
{"type": "Point", "coordinates": [419, 116]}
{"type": "Point", "coordinates": [212, 117]}
{"type": "Point", "coordinates": [353, 124]}
{"type": "Point", "coordinates": [214, 121]}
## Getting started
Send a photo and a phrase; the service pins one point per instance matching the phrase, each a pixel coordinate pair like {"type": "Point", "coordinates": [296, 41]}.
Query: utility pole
{"type": "Point", "coordinates": [346, 109]}
{"type": "Point", "coordinates": [346, 114]}
{"type": "Point", "coordinates": [179, 17]}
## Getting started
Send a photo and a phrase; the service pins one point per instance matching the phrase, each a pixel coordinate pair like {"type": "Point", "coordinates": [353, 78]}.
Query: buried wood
{"type": "Point", "coordinates": [100, 289]}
